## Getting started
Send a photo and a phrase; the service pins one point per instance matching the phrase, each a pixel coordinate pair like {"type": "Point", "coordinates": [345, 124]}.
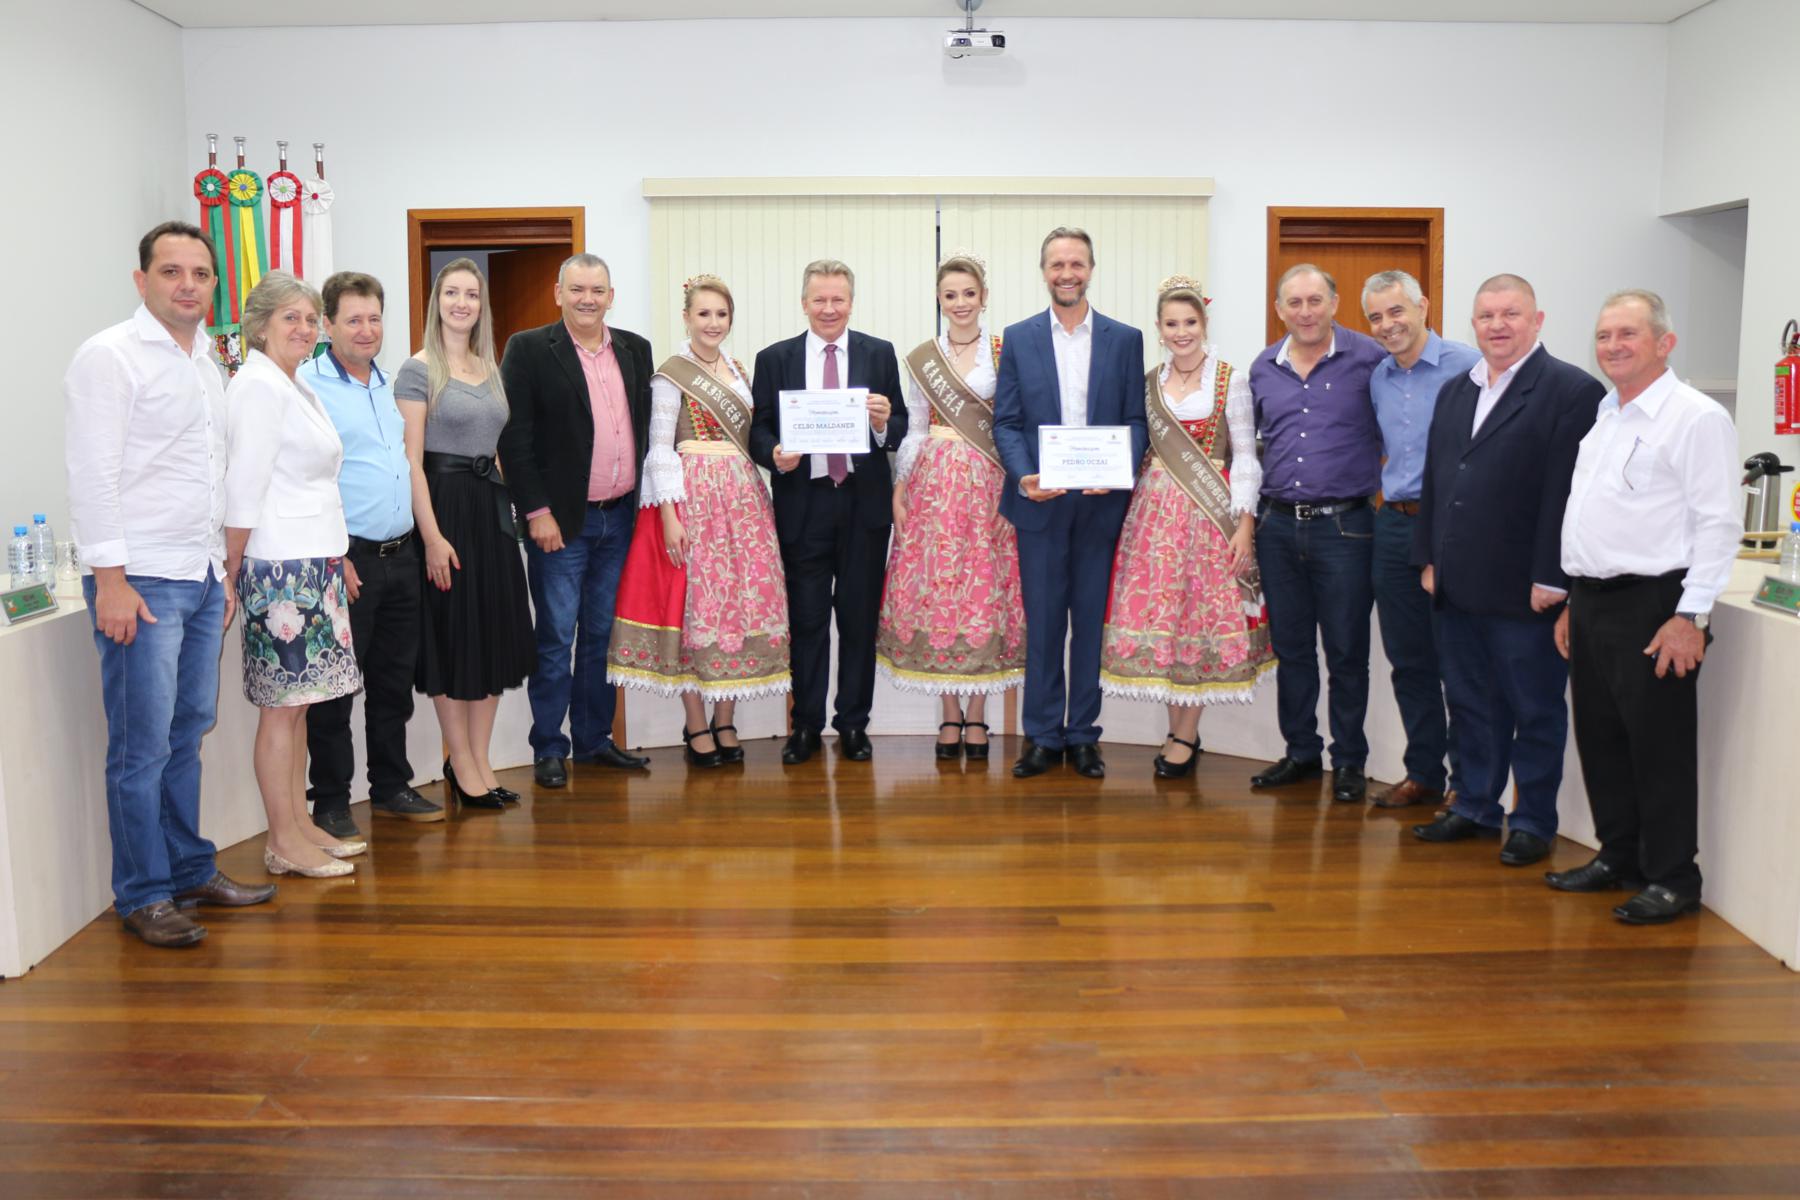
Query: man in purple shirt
{"type": "Point", "coordinates": [1316, 530]}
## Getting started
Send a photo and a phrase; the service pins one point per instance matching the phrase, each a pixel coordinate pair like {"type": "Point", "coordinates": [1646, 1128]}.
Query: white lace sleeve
{"type": "Point", "coordinates": [662, 466]}
{"type": "Point", "coordinates": [918, 428]}
{"type": "Point", "coordinates": [1246, 470]}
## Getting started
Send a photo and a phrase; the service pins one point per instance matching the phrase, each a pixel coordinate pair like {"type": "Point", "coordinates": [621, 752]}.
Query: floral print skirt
{"type": "Point", "coordinates": [1178, 627]}
{"type": "Point", "coordinates": [952, 614]}
{"type": "Point", "coordinates": [296, 632]}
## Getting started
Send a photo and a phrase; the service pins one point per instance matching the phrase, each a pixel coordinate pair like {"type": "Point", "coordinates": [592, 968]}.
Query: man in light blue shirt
{"type": "Point", "coordinates": [1404, 389]}
{"type": "Point", "coordinates": [381, 570]}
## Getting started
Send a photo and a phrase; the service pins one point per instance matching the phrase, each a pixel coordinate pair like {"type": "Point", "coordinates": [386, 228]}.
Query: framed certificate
{"type": "Point", "coordinates": [1073, 457]}
{"type": "Point", "coordinates": [834, 421]}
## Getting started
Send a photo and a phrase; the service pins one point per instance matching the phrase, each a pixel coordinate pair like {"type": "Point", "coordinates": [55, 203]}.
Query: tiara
{"type": "Point", "coordinates": [971, 256]}
{"type": "Point", "coordinates": [700, 280]}
{"type": "Point", "coordinates": [1183, 282]}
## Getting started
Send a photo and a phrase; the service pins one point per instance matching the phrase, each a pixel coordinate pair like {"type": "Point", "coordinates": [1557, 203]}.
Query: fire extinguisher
{"type": "Point", "coordinates": [1787, 381]}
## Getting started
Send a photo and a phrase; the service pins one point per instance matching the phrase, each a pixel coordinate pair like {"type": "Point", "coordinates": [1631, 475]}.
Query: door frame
{"type": "Point", "coordinates": [1433, 283]}
{"type": "Point", "coordinates": [428, 229]}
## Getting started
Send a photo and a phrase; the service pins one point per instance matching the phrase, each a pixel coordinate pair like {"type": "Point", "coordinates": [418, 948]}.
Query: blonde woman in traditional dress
{"type": "Point", "coordinates": [702, 611]}
{"type": "Point", "coordinates": [952, 620]}
{"type": "Point", "coordinates": [1186, 624]}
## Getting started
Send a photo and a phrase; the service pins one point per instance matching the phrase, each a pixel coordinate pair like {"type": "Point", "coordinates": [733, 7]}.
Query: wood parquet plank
{"type": "Point", "coordinates": [901, 979]}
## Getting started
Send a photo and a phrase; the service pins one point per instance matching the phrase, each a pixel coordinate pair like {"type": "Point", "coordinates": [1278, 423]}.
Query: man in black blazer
{"type": "Point", "coordinates": [579, 392]}
{"type": "Point", "coordinates": [1489, 544]}
{"type": "Point", "coordinates": [833, 512]}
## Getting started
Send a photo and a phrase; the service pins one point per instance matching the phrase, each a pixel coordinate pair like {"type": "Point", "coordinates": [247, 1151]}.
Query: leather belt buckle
{"type": "Point", "coordinates": [1306, 512]}
{"type": "Point", "coordinates": [393, 547]}
{"type": "Point", "coordinates": [482, 465]}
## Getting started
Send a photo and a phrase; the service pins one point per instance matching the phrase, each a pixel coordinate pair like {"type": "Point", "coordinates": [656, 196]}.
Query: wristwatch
{"type": "Point", "coordinates": [1700, 620]}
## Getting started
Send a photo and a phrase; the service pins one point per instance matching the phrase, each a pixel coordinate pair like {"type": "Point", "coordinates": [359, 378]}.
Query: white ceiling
{"type": "Point", "coordinates": [234, 13]}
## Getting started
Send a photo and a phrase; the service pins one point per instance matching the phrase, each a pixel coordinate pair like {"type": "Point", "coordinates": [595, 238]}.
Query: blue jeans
{"type": "Point", "coordinates": [160, 694]}
{"type": "Point", "coordinates": [1505, 683]}
{"type": "Point", "coordinates": [1316, 579]}
{"type": "Point", "coordinates": [1407, 635]}
{"type": "Point", "coordinates": [574, 591]}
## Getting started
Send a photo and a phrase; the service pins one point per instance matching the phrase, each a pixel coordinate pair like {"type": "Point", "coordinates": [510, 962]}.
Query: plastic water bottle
{"type": "Point", "coordinates": [21, 560]}
{"type": "Point", "coordinates": [43, 540]}
{"type": "Point", "coordinates": [1789, 570]}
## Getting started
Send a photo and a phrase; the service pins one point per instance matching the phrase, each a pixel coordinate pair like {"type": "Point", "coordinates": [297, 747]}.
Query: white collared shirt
{"type": "Point", "coordinates": [1074, 352]}
{"type": "Point", "coordinates": [285, 457]}
{"type": "Point", "coordinates": [145, 452]}
{"type": "Point", "coordinates": [1492, 392]}
{"type": "Point", "coordinates": [1281, 353]}
{"type": "Point", "coordinates": [815, 380]}
{"type": "Point", "coordinates": [1655, 490]}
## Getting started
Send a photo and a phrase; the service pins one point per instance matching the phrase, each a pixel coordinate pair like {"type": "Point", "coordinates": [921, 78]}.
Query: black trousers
{"type": "Point", "coordinates": [836, 567]}
{"type": "Point", "coordinates": [1638, 735]}
{"type": "Point", "coordinates": [384, 633]}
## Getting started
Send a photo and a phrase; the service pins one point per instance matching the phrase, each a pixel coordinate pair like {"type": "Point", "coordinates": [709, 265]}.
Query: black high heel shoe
{"type": "Point", "coordinates": [459, 798]}
{"type": "Point", "coordinates": [729, 754]}
{"type": "Point", "coordinates": [701, 758]}
{"type": "Point", "coordinates": [950, 749]}
{"type": "Point", "coordinates": [507, 794]}
{"type": "Point", "coordinates": [1168, 770]}
{"type": "Point", "coordinates": [976, 751]}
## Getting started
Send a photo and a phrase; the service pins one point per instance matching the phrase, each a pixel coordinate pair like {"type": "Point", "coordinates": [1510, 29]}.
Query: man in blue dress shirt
{"type": "Point", "coordinates": [1404, 388]}
{"type": "Point", "coordinates": [381, 571]}
{"type": "Point", "coordinates": [1316, 530]}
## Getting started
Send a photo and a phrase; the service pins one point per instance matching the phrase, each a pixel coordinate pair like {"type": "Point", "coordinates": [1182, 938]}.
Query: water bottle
{"type": "Point", "coordinates": [21, 559]}
{"type": "Point", "coordinates": [1790, 555]}
{"type": "Point", "coordinates": [43, 541]}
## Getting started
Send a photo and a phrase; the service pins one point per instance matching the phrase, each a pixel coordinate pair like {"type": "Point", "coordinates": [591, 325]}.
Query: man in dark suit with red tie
{"type": "Point", "coordinates": [1504, 439]}
{"type": "Point", "coordinates": [833, 512]}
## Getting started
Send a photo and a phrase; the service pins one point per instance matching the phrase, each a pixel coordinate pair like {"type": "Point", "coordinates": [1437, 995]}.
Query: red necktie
{"type": "Point", "coordinates": [836, 465]}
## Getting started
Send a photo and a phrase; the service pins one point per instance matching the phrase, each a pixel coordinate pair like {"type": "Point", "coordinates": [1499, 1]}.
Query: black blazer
{"type": "Point", "coordinates": [783, 367]}
{"type": "Point", "coordinates": [547, 447]}
{"type": "Point", "coordinates": [1491, 509]}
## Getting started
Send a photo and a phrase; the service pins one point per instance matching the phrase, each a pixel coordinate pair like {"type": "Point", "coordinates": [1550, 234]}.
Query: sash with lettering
{"type": "Point", "coordinates": [721, 403]}
{"type": "Point", "coordinates": [951, 399]}
{"type": "Point", "coordinates": [1198, 475]}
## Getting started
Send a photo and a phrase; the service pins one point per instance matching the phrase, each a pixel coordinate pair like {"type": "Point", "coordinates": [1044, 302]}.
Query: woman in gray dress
{"type": "Point", "coordinates": [475, 624]}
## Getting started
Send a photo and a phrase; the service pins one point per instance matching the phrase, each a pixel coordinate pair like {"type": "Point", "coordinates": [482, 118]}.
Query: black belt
{"type": "Point", "coordinates": [381, 549]}
{"type": "Point", "coordinates": [1320, 508]}
{"type": "Point", "coordinates": [482, 467]}
{"type": "Point", "coordinates": [1613, 583]}
{"type": "Point", "coordinates": [606, 505]}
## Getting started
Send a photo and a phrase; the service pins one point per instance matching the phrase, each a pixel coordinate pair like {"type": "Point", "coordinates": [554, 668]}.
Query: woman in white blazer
{"type": "Point", "coordinates": [285, 542]}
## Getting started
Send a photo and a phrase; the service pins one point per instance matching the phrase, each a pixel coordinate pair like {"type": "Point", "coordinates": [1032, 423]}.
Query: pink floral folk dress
{"type": "Point", "coordinates": [952, 616]}
{"type": "Point", "coordinates": [1178, 627]}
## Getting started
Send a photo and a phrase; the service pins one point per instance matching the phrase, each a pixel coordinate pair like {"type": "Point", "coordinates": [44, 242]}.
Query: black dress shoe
{"type": "Point", "coordinates": [701, 758]}
{"type": "Point", "coordinates": [1656, 905]}
{"type": "Point", "coordinates": [731, 754]}
{"type": "Point", "coordinates": [550, 773]}
{"type": "Point", "coordinates": [506, 794]}
{"type": "Point", "coordinates": [949, 750]}
{"type": "Point", "coordinates": [1085, 758]}
{"type": "Point", "coordinates": [226, 892]}
{"type": "Point", "coordinates": [975, 751]}
{"type": "Point", "coordinates": [1286, 771]}
{"type": "Point", "coordinates": [801, 745]}
{"type": "Point", "coordinates": [1522, 849]}
{"type": "Point", "coordinates": [1176, 770]}
{"type": "Point", "coordinates": [407, 805]}
{"type": "Point", "coordinates": [609, 755]}
{"type": "Point", "coordinates": [854, 745]}
{"type": "Point", "coordinates": [1452, 827]}
{"type": "Point", "coordinates": [1348, 785]}
{"type": "Point", "coordinates": [339, 824]}
{"type": "Point", "coordinates": [1597, 876]}
{"type": "Point", "coordinates": [1036, 760]}
{"type": "Point", "coordinates": [162, 924]}
{"type": "Point", "coordinates": [460, 797]}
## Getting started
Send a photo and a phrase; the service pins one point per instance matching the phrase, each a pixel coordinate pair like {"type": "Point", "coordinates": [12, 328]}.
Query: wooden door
{"type": "Point", "coordinates": [522, 289]}
{"type": "Point", "coordinates": [550, 233]}
{"type": "Point", "coordinates": [1353, 244]}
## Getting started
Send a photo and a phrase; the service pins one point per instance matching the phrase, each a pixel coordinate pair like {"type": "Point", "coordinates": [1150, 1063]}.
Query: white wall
{"type": "Point", "coordinates": [92, 92]}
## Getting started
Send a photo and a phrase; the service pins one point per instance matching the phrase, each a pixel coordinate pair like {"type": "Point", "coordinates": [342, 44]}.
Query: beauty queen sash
{"type": "Point", "coordinates": [951, 398]}
{"type": "Point", "coordinates": [721, 403]}
{"type": "Point", "coordinates": [1187, 463]}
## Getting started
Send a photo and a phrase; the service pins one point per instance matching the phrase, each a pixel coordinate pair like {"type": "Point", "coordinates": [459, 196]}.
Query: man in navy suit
{"type": "Point", "coordinates": [1504, 439]}
{"type": "Point", "coordinates": [1067, 366]}
{"type": "Point", "coordinates": [833, 512]}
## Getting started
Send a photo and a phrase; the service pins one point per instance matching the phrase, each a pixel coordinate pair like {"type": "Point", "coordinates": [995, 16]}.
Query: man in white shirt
{"type": "Point", "coordinates": [145, 453]}
{"type": "Point", "coordinates": [1660, 457]}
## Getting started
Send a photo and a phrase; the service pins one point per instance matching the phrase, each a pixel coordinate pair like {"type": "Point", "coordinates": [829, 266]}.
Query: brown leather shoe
{"type": "Point", "coordinates": [162, 924]}
{"type": "Point", "coordinates": [226, 892]}
{"type": "Point", "coordinates": [1407, 793]}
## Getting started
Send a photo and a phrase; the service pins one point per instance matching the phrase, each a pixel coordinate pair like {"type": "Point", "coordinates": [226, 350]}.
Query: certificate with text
{"type": "Point", "coordinates": [1073, 457]}
{"type": "Point", "coordinates": [833, 421]}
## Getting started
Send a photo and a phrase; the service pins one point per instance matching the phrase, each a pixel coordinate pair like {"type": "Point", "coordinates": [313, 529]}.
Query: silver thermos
{"type": "Point", "coordinates": [1763, 526]}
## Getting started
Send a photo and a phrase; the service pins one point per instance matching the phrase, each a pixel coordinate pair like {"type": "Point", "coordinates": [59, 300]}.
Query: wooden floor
{"type": "Point", "coordinates": [899, 980]}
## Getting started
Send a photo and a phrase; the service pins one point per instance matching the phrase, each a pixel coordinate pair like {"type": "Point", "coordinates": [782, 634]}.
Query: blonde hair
{"type": "Point", "coordinates": [1181, 289]}
{"type": "Point", "coordinates": [481, 338]}
{"type": "Point", "coordinates": [966, 262]}
{"type": "Point", "coordinates": [826, 267]}
{"type": "Point", "coordinates": [277, 290]}
{"type": "Point", "coordinates": [707, 283]}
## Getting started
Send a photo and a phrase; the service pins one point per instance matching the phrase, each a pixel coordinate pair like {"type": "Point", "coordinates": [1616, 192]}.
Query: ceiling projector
{"type": "Point", "coordinates": [970, 42]}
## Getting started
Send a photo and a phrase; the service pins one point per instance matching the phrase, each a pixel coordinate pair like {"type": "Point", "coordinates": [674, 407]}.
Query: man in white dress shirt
{"type": "Point", "coordinates": [145, 453]}
{"type": "Point", "coordinates": [1660, 457]}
